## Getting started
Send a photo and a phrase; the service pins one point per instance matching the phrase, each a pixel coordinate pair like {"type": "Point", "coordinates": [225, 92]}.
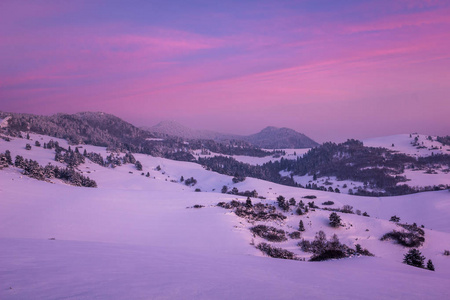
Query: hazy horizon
{"type": "Point", "coordinates": [328, 69]}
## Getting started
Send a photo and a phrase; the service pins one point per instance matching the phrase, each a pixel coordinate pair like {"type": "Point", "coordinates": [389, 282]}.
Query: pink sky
{"type": "Point", "coordinates": [329, 69]}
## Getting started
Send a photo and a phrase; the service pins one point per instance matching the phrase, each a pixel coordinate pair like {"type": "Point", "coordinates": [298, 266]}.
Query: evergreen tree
{"type": "Point", "coordinates": [224, 189]}
{"type": "Point", "coordinates": [8, 157]}
{"type": "Point", "coordinates": [334, 243]}
{"type": "Point", "coordinates": [394, 219]}
{"type": "Point", "coordinates": [292, 202]}
{"type": "Point", "coordinates": [414, 258]}
{"type": "Point", "coordinates": [182, 178]}
{"type": "Point", "coordinates": [320, 242]}
{"type": "Point", "coordinates": [19, 162]}
{"type": "Point", "coordinates": [430, 265]}
{"type": "Point", "coordinates": [148, 174]}
{"type": "Point", "coordinates": [335, 220]}
{"type": "Point", "coordinates": [138, 165]}
{"type": "Point", "coordinates": [301, 227]}
{"type": "Point", "coordinates": [248, 202]}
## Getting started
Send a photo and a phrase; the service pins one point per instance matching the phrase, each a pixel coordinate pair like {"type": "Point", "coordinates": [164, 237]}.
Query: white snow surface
{"type": "Point", "coordinates": [135, 237]}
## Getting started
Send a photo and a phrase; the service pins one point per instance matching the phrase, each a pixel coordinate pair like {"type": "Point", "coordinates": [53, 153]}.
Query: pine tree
{"type": "Point", "coordinates": [301, 227]}
{"type": "Point", "coordinates": [414, 258]}
{"type": "Point", "coordinates": [320, 242]}
{"type": "Point", "coordinates": [224, 189]}
{"type": "Point", "coordinates": [335, 220]}
{"type": "Point", "coordinates": [248, 203]}
{"type": "Point", "coordinates": [8, 157]}
{"type": "Point", "coordinates": [430, 265]}
{"type": "Point", "coordinates": [138, 165]}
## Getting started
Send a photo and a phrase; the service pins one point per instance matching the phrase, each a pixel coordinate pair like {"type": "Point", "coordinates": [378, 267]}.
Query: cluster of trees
{"type": "Point", "coordinates": [315, 186]}
{"type": "Point", "coordinates": [32, 169]}
{"type": "Point", "coordinates": [269, 233]}
{"type": "Point", "coordinates": [5, 159]}
{"type": "Point", "coordinates": [254, 212]}
{"type": "Point", "coordinates": [415, 258]}
{"type": "Point", "coordinates": [414, 236]}
{"type": "Point", "coordinates": [113, 160]}
{"type": "Point", "coordinates": [444, 140]}
{"type": "Point", "coordinates": [324, 249]}
{"type": "Point", "coordinates": [190, 181]}
{"type": "Point", "coordinates": [379, 169]}
{"type": "Point", "coordinates": [70, 157]}
{"type": "Point", "coordinates": [235, 191]}
{"type": "Point", "coordinates": [276, 252]}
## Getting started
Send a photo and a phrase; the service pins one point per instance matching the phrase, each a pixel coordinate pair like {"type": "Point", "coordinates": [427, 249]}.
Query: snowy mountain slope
{"type": "Point", "coordinates": [403, 143]}
{"type": "Point", "coordinates": [253, 160]}
{"type": "Point", "coordinates": [134, 237]}
{"type": "Point", "coordinates": [415, 145]}
{"type": "Point", "coordinates": [278, 138]}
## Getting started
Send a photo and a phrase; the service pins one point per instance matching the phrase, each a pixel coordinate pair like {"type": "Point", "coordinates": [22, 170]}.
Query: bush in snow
{"type": "Point", "coordinates": [347, 209]}
{"type": "Point", "coordinates": [447, 252]}
{"type": "Point", "coordinates": [362, 251]}
{"type": "Point", "coordinates": [295, 235]}
{"type": "Point", "coordinates": [276, 252]}
{"type": "Point", "coordinates": [269, 233]}
{"type": "Point", "coordinates": [224, 189]}
{"type": "Point", "coordinates": [407, 239]}
{"type": "Point", "coordinates": [394, 219]}
{"type": "Point", "coordinates": [335, 220]}
{"type": "Point", "coordinates": [328, 203]}
{"type": "Point", "coordinates": [282, 203]}
{"type": "Point", "coordinates": [190, 181]}
{"type": "Point", "coordinates": [324, 249]}
{"type": "Point", "coordinates": [28, 147]}
{"type": "Point", "coordinates": [238, 178]}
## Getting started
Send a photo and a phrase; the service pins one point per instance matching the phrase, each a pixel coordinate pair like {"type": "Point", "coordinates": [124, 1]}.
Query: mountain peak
{"type": "Point", "coordinates": [273, 137]}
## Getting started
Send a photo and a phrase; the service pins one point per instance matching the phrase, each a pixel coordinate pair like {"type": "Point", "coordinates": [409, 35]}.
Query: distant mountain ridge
{"type": "Point", "coordinates": [274, 138]}
{"type": "Point", "coordinates": [270, 137]}
{"type": "Point", "coordinates": [173, 128]}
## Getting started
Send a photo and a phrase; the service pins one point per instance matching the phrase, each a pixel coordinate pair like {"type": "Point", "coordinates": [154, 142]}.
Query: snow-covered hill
{"type": "Point", "coordinates": [411, 144]}
{"type": "Point", "coordinates": [138, 237]}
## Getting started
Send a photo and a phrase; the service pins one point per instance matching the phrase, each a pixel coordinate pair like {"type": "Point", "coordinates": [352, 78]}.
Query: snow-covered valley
{"type": "Point", "coordinates": [139, 237]}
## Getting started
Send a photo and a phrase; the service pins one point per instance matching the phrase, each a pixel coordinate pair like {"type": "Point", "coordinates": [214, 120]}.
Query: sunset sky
{"type": "Point", "coordinates": [330, 69]}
